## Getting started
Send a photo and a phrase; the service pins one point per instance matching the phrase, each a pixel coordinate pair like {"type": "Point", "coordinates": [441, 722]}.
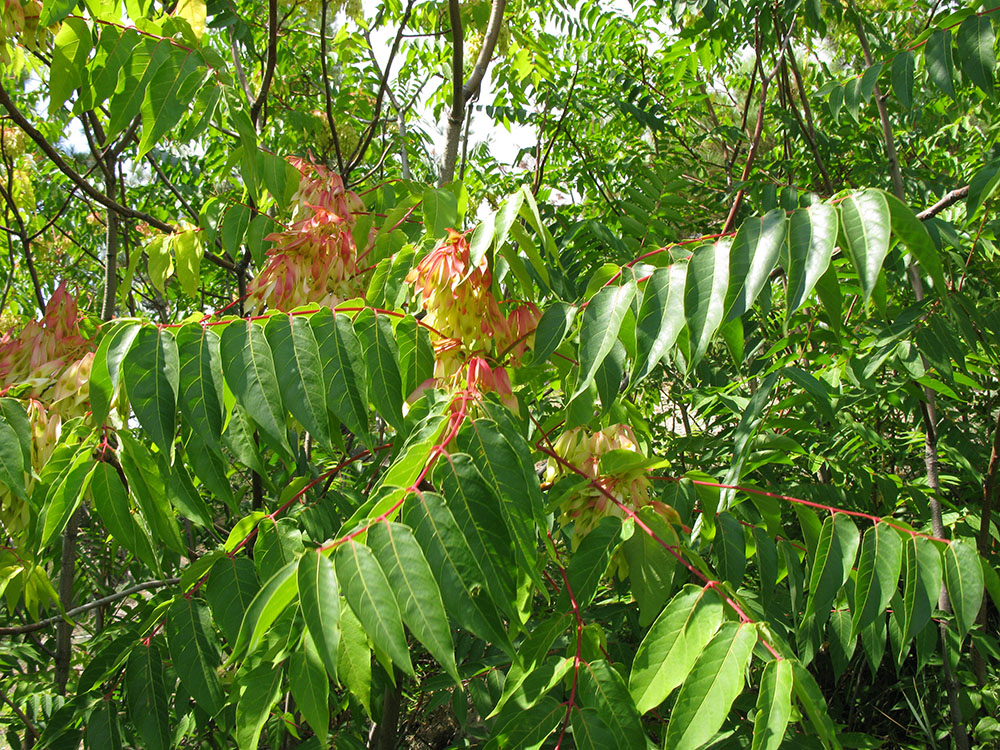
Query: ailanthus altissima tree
{"type": "Point", "coordinates": [323, 424]}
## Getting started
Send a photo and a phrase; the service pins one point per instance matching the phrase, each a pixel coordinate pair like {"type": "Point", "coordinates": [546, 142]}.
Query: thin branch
{"type": "Point", "coordinates": [20, 715]}
{"type": "Point", "coordinates": [327, 94]}
{"type": "Point", "coordinates": [272, 59]}
{"type": "Point", "coordinates": [948, 199]}
{"type": "Point", "coordinates": [540, 167]}
{"type": "Point", "coordinates": [493, 27]}
{"type": "Point", "coordinates": [240, 75]}
{"type": "Point", "coordinates": [42, 624]}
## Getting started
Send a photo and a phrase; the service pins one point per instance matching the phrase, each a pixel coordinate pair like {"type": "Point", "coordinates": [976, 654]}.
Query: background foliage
{"type": "Point", "coordinates": [322, 427]}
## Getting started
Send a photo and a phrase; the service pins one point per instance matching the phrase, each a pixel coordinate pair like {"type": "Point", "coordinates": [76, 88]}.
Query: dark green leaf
{"type": "Point", "coordinates": [276, 594]}
{"type": "Point", "coordinates": [902, 78]}
{"type": "Point", "coordinates": [262, 690]}
{"type": "Point", "coordinates": [660, 319]}
{"type": "Point", "coordinates": [310, 687]}
{"type": "Point", "coordinates": [937, 55]}
{"type": "Point", "coordinates": [106, 367]}
{"type": "Point", "coordinates": [381, 355]}
{"type": "Point", "coordinates": [302, 385]}
{"type": "Point", "coordinates": [343, 370]}
{"type": "Point", "coordinates": [147, 697]}
{"type": "Point", "coordinates": [195, 652]}
{"type": "Point", "coordinates": [151, 373]}
{"type": "Point", "coordinates": [603, 689]}
{"type": "Point", "coordinates": [705, 294]}
{"type": "Point", "coordinates": [589, 563]}
{"type": "Point", "coordinates": [812, 234]}
{"type": "Point", "coordinates": [319, 597]}
{"type": "Point", "coordinates": [201, 383]}
{"type": "Point", "coordinates": [922, 574]}
{"type": "Point", "coordinates": [878, 574]}
{"type": "Point", "coordinates": [866, 222]}
{"type": "Point", "coordinates": [752, 257]}
{"type": "Point", "coordinates": [963, 577]}
{"type": "Point", "coordinates": [976, 57]}
{"type": "Point", "coordinates": [112, 505]}
{"type": "Point", "coordinates": [599, 331]}
{"type": "Point", "coordinates": [553, 326]}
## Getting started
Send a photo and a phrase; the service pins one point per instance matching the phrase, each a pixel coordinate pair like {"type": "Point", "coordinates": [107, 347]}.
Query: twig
{"type": "Point", "coordinates": [948, 199]}
{"type": "Point", "coordinates": [272, 58]}
{"type": "Point", "coordinates": [20, 714]}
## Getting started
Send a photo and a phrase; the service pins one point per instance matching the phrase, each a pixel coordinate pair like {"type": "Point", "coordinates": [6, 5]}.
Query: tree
{"type": "Point", "coordinates": [313, 436]}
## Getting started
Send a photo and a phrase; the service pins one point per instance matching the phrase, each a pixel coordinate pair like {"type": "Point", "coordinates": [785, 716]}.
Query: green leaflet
{"type": "Point", "coordinates": [878, 574]}
{"type": "Point", "coordinates": [416, 354]}
{"type": "Point", "coordinates": [528, 729]}
{"type": "Point", "coordinates": [106, 368]}
{"type": "Point", "coordinates": [976, 57]}
{"type": "Point", "coordinates": [660, 318]}
{"type": "Point", "coordinates": [963, 577]}
{"type": "Point", "coordinates": [151, 373]}
{"type": "Point", "coordinates": [171, 88]}
{"type": "Point", "coordinates": [913, 233]}
{"type": "Point", "coordinates": [602, 688]}
{"type": "Point", "coordinates": [71, 48]}
{"type": "Point", "coordinates": [589, 730]}
{"type": "Point", "coordinates": [730, 549]}
{"type": "Point", "coordinates": [381, 356]}
{"type": "Point", "coordinates": [147, 696]}
{"type": "Point", "coordinates": [194, 650]}
{"type": "Point", "coordinates": [354, 663]}
{"type": "Point", "coordinates": [145, 60]}
{"type": "Point", "coordinates": [831, 566]}
{"type": "Point", "coordinates": [774, 705]}
{"type": "Point", "coordinates": [276, 594]}
{"type": "Point", "coordinates": [599, 331]}
{"type": "Point", "coordinates": [455, 566]}
{"type": "Point", "coordinates": [553, 326]}
{"type": "Point", "coordinates": [809, 697]}
{"type": "Point", "coordinates": [532, 651]}
{"type": "Point", "coordinates": [416, 591]}
{"type": "Point", "coordinates": [262, 687]}
{"type": "Point", "coordinates": [937, 56]}
{"type": "Point", "coordinates": [302, 384]}
{"type": "Point", "coordinates": [865, 219]}
{"type": "Point", "coordinates": [650, 564]}
{"type": "Point", "coordinates": [147, 487]}
{"type": "Point", "coordinates": [319, 598]}
{"type": "Point", "coordinates": [589, 563]}
{"type": "Point", "coordinates": [310, 687]}
{"type": "Point", "coordinates": [12, 459]}
{"type": "Point", "coordinates": [248, 366]}
{"type": "Point", "coordinates": [711, 687]}
{"type": "Point", "coordinates": [673, 643]}
{"type": "Point", "coordinates": [752, 257]}
{"type": "Point", "coordinates": [230, 590]}
{"type": "Point", "coordinates": [812, 235]}
{"type": "Point", "coordinates": [902, 77]}
{"type": "Point", "coordinates": [704, 295]}
{"type": "Point", "coordinates": [922, 575]}
{"type": "Point", "coordinates": [200, 397]}
{"type": "Point", "coordinates": [112, 505]}
{"type": "Point", "coordinates": [104, 728]}
{"type": "Point", "coordinates": [370, 595]}
{"type": "Point", "coordinates": [65, 494]}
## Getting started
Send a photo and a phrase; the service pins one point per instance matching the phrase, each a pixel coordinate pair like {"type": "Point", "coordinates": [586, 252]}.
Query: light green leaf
{"type": "Point", "coordinates": [528, 730]}
{"type": "Point", "coordinates": [195, 652]}
{"type": "Point", "coordinates": [143, 64]}
{"type": "Point", "coordinates": [248, 366]}
{"type": "Point", "coordinates": [878, 574]}
{"type": "Point", "coordinates": [672, 645]}
{"type": "Point", "coordinates": [268, 603]}
{"type": "Point", "coordinates": [72, 45]}
{"type": "Point", "coordinates": [415, 589]}
{"type": "Point", "coordinates": [12, 463]}
{"type": "Point", "coordinates": [809, 696]}
{"type": "Point", "coordinates": [963, 577]}
{"type": "Point", "coordinates": [171, 89]}
{"type": "Point", "coordinates": [716, 679]}
{"type": "Point", "coordinates": [555, 323]}
{"type": "Point", "coordinates": [319, 597]}
{"type": "Point", "coordinates": [812, 234]}
{"type": "Point", "coordinates": [866, 221]}
{"type": "Point", "coordinates": [53, 11]}
{"type": "Point", "coordinates": [601, 322]}
{"type": "Point", "coordinates": [148, 707]}
{"type": "Point", "coordinates": [774, 705]}
{"type": "Point", "coordinates": [370, 595]}
{"type": "Point", "coordinates": [302, 385]}
{"type": "Point", "coordinates": [188, 252]}
{"type": "Point", "coordinates": [660, 319]}
{"type": "Point", "coordinates": [262, 688]}
{"type": "Point", "coordinates": [151, 373]}
{"type": "Point", "coordinates": [106, 368]}
{"type": "Point", "coordinates": [602, 688]}
{"type": "Point", "coordinates": [161, 263]}
{"type": "Point", "coordinates": [917, 239]}
{"type": "Point", "coordinates": [831, 566]}
{"type": "Point", "coordinates": [64, 496]}
{"type": "Point", "coordinates": [354, 665]}
{"type": "Point", "coordinates": [705, 294]}
{"type": "Point", "coordinates": [590, 561]}
{"type": "Point", "coordinates": [752, 257]}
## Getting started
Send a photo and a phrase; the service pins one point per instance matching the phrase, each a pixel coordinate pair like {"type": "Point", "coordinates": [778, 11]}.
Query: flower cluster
{"type": "Point", "coordinates": [315, 259]}
{"type": "Point", "coordinates": [462, 309]}
{"type": "Point", "coordinates": [49, 362]}
{"type": "Point", "coordinates": [583, 450]}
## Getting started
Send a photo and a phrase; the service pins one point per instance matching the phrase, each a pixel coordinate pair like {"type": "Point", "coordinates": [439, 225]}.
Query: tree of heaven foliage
{"type": "Point", "coordinates": [323, 426]}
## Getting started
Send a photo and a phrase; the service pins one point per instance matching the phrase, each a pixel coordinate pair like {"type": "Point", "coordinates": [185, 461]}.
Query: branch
{"type": "Point", "coordinates": [493, 26]}
{"type": "Point", "coordinates": [42, 624]}
{"type": "Point", "coordinates": [949, 199]}
{"type": "Point", "coordinates": [327, 95]}
{"type": "Point", "coordinates": [457, 114]}
{"type": "Point", "coordinates": [272, 57]}
{"type": "Point", "coordinates": [20, 714]}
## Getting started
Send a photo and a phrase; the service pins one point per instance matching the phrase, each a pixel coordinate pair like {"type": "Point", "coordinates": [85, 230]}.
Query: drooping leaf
{"type": "Point", "coordinates": [151, 373]}
{"type": "Point", "coordinates": [310, 687]}
{"type": "Point", "coordinates": [188, 252]}
{"type": "Point", "coordinates": [963, 577]}
{"type": "Point", "coordinates": [601, 322]}
{"type": "Point", "coordinates": [65, 495]}
{"type": "Point", "coordinates": [902, 78]}
{"type": "Point", "coordinates": [302, 385]}
{"type": "Point", "coordinates": [106, 368]}
{"type": "Point", "coordinates": [12, 463]}
{"type": "Point", "coordinates": [809, 696]}
{"type": "Point", "coordinates": [866, 222]}
{"type": "Point", "coordinates": [171, 89]}
{"type": "Point", "coordinates": [354, 665]}
{"type": "Point", "coordinates": [708, 692]}
{"type": "Point", "coordinates": [381, 356]}
{"type": "Point", "coordinates": [812, 235]}
{"type": "Point", "coordinates": [660, 319]}
{"type": "Point", "coordinates": [262, 687]}
{"type": "Point", "coordinates": [730, 548]}
{"type": "Point", "coordinates": [72, 46]}
{"type": "Point", "coordinates": [774, 705]}
{"type": "Point", "coordinates": [705, 294]}
{"type": "Point", "coordinates": [589, 563]}
{"type": "Point", "coordinates": [416, 591]}
{"type": "Point", "coordinates": [878, 574]}
{"type": "Point", "coordinates": [976, 57]}
{"type": "Point", "coordinates": [589, 730]}
{"type": "Point", "coordinates": [602, 688]}
{"type": "Point", "coordinates": [937, 55]}
{"type": "Point", "coordinates": [200, 395]}
{"type": "Point", "coordinates": [672, 645]}
{"type": "Point", "coordinates": [917, 239]}
{"type": "Point", "coordinates": [922, 574]}
{"type": "Point", "coordinates": [319, 597]}
{"type": "Point", "coordinates": [752, 257]}
{"type": "Point", "coordinates": [146, 696]}
{"type": "Point", "coordinates": [416, 354]}
{"type": "Point", "coordinates": [112, 505]}
{"type": "Point", "coordinates": [104, 728]}
{"type": "Point", "coordinates": [528, 729]}
{"type": "Point", "coordinates": [248, 366]}
{"type": "Point", "coordinates": [650, 564]}
{"type": "Point", "coordinates": [276, 594]}
{"type": "Point", "coordinates": [195, 652]}
{"type": "Point", "coordinates": [831, 566]}
{"type": "Point", "coordinates": [370, 595]}
{"type": "Point", "coordinates": [343, 370]}
{"type": "Point", "coordinates": [553, 326]}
